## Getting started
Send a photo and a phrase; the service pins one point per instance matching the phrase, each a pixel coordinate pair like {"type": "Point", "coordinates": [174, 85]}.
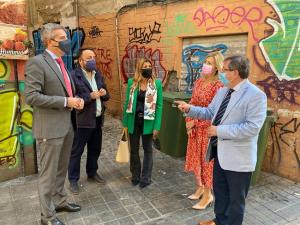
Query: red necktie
{"type": "Point", "coordinates": [66, 77]}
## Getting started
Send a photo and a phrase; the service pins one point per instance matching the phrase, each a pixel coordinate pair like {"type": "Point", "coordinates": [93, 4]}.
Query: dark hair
{"type": "Point", "coordinates": [81, 50]}
{"type": "Point", "coordinates": [239, 63]}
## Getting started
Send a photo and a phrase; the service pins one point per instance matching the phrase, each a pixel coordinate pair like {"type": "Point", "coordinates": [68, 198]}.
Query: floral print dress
{"type": "Point", "coordinates": [197, 139]}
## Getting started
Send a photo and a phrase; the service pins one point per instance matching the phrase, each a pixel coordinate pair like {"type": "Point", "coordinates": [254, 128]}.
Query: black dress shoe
{"type": "Point", "coordinates": [69, 207]}
{"type": "Point", "coordinates": [135, 182]}
{"type": "Point", "coordinates": [74, 187]}
{"type": "Point", "coordinates": [143, 185]}
{"type": "Point", "coordinates": [97, 178]}
{"type": "Point", "coordinates": [54, 221]}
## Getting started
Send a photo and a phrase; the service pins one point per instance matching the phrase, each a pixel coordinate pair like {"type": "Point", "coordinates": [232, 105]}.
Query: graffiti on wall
{"type": "Point", "coordinates": [284, 56]}
{"type": "Point", "coordinates": [77, 38]}
{"type": "Point", "coordinates": [133, 53]}
{"type": "Point", "coordinates": [281, 138]}
{"type": "Point", "coordinates": [9, 132]}
{"type": "Point", "coordinates": [178, 26]}
{"type": "Point", "coordinates": [193, 56]}
{"type": "Point", "coordinates": [222, 17]}
{"type": "Point", "coordinates": [145, 35]}
{"type": "Point", "coordinates": [15, 117]}
{"type": "Point", "coordinates": [281, 91]}
{"type": "Point", "coordinates": [104, 62]}
{"type": "Point", "coordinates": [281, 50]}
{"type": "Point", "coordinates": [94, 32]}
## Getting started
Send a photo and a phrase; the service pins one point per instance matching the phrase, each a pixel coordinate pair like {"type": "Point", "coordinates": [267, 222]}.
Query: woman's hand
{"type": "Point", "coordinates": [189, 126]}
{"type": "Point", "coordinates": [155, 134]}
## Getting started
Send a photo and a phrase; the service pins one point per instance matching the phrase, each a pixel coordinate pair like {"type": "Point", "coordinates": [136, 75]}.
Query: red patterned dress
{"type": "Point", "coordinates": [203, 93]}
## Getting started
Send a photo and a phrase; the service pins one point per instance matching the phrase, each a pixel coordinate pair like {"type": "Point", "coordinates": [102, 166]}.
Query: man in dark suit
{"type": "Point", "coordinates": [91, 87]}
{"type": "Point", "coordinates": [50, 91]}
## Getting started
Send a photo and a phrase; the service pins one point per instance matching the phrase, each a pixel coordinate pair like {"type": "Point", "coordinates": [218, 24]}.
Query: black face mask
{"type": "Point", "coordinates": [147, 73]}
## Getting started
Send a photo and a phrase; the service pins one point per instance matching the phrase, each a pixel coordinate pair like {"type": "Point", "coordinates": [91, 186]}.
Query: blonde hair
{"type": "Point", "coordinates": [219, 59]}
{"type": "Point", "coordinates": [138, 75]}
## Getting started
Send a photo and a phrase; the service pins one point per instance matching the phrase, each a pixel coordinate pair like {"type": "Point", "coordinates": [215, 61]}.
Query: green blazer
{"type": "Point", "coordinates": [129, 118]}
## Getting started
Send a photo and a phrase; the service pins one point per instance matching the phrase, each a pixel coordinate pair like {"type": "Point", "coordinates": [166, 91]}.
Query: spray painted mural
{"type": "Point", "coordinates": [76, 36]}
{"type": "Point", "coordinates": [281, 51]}
{"type": "Point", "coordinates": [133, 53]}
{"type": "Point", "coordinates": [193, 56]}
{"type": "Point", "coordinates": [272, 44]}
{"type": "Point", "coordinates": [15, 116]}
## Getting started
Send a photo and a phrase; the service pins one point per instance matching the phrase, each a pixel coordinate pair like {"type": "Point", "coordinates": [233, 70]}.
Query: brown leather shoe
{"type": "Point", "coordinates": [207, 222]}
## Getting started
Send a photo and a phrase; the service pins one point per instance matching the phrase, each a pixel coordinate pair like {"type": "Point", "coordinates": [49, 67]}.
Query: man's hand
{"type": "Point", "coordinates": [81, 105]}
{"type": "Point", "coordinates": [76, 103]}
{"type": "Point", "coordinates": [102, 92]}
{"type": "Point", "coordinates": [95, 94]}
{"type": "Point", "coordinates": [183, 106]}
{"type": "Point", "coordinates": [212, 131]}
{"type": "Point", "coordinates": [155, 134]}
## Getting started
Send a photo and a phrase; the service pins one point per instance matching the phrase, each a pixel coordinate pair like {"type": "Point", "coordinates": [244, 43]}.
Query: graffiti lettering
{"type": "Point", "coordinates": [193, 56]}
{"type": "Point", "coordinates": [104, 62]}
{"type": "Point", "coordinates": [144, 35]}
{"type": "Point", "coordinates": [221, 16]}
{"type": "Point", "coordinates": [285, 90]}
{"type": "Point", "coordinates": [279, 137]}
{"type": "Point", "coordinates": [10, 160]}
{"type": "Point", "coordinates": [133, 53]}
{"type": "Point", "coordinates": [95, 32]}
{"type": "Point", "coordinates": [77, 38]}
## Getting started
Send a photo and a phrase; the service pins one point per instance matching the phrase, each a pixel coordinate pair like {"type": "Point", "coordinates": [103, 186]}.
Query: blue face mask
{"type": "Point", "coordinates": [90, 65]}
{"type": "Point", "coordinates": [64, 45]}
{"type": "Point", "coordinates": [223, 79]}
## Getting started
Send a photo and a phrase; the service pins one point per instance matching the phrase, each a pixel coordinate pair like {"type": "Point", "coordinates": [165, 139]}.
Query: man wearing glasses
{"type": "Point", "coordinates": [237, 112]}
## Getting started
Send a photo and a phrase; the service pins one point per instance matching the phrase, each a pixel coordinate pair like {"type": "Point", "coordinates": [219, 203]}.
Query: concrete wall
{"type": "Point", "coordinates": [174, 37]}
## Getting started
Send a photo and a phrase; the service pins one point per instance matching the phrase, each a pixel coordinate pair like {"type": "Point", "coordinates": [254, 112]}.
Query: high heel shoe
{"type": "Point", "coordinates": [204, 203]}
{"type": "Point", "coordinates": [198, 193]}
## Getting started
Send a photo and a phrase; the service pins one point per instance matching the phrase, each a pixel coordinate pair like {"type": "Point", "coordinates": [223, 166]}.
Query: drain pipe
{"type": "Point", "coordinates": [118, 57]}
{"type": "Point", "coordinates": [77, 18]}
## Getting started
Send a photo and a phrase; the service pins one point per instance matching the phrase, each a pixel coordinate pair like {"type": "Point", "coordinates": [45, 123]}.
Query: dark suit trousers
{"type": "Point", "coordinates": [138, 174]}
{"type": "Point", "coordinates": [230, 190]}
{"type": "Point", "coordinates": [92, 137]}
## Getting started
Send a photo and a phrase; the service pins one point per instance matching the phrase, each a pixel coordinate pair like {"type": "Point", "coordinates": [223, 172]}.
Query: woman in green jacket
{"type": "Point", "coordinates": [142, 116]}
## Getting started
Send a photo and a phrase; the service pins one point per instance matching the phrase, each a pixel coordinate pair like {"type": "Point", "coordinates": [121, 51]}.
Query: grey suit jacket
{"type": "Point", "coordinates": [45, 91]}
{"type": "Point", "coordinates": [239, 128]}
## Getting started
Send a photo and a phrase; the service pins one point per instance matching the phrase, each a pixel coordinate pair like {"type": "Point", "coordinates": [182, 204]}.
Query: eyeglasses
{"type": "Point", "coordinates": [226, 70]}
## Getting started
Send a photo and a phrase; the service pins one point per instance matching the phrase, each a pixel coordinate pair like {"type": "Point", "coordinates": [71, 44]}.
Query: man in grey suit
{"type": "Point", "coordinates": [237, 112]}
{"type": "Point", "coordinates": [49, 90]}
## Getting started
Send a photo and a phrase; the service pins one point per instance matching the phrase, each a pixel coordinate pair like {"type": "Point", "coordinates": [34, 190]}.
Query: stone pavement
{"type": "Point", "coordinates": [273, 201]}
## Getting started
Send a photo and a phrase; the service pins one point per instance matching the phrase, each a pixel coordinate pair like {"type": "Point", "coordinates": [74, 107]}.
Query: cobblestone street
{"type": "Point", "coordinates": [273, 201]}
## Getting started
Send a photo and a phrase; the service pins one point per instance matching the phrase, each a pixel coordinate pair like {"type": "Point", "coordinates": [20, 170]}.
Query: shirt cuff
{"type": "Point", "coordinates": [65, 104]}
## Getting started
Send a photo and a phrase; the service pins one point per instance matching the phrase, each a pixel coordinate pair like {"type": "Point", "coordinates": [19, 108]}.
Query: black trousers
{"type": "Point", "coordinates": [230, 190]}
{"type": "Point", "coordinates": [93, 138]}
{"type": "Point", "coordinates": [140, 174]}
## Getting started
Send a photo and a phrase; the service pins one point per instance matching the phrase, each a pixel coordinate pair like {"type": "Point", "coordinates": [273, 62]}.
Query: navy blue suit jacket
{"type": "Point", "coordinates": [86, 118]}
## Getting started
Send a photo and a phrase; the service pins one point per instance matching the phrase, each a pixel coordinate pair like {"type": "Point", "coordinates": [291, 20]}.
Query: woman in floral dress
{"type": "Point", "coordinates": [204, 90]}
